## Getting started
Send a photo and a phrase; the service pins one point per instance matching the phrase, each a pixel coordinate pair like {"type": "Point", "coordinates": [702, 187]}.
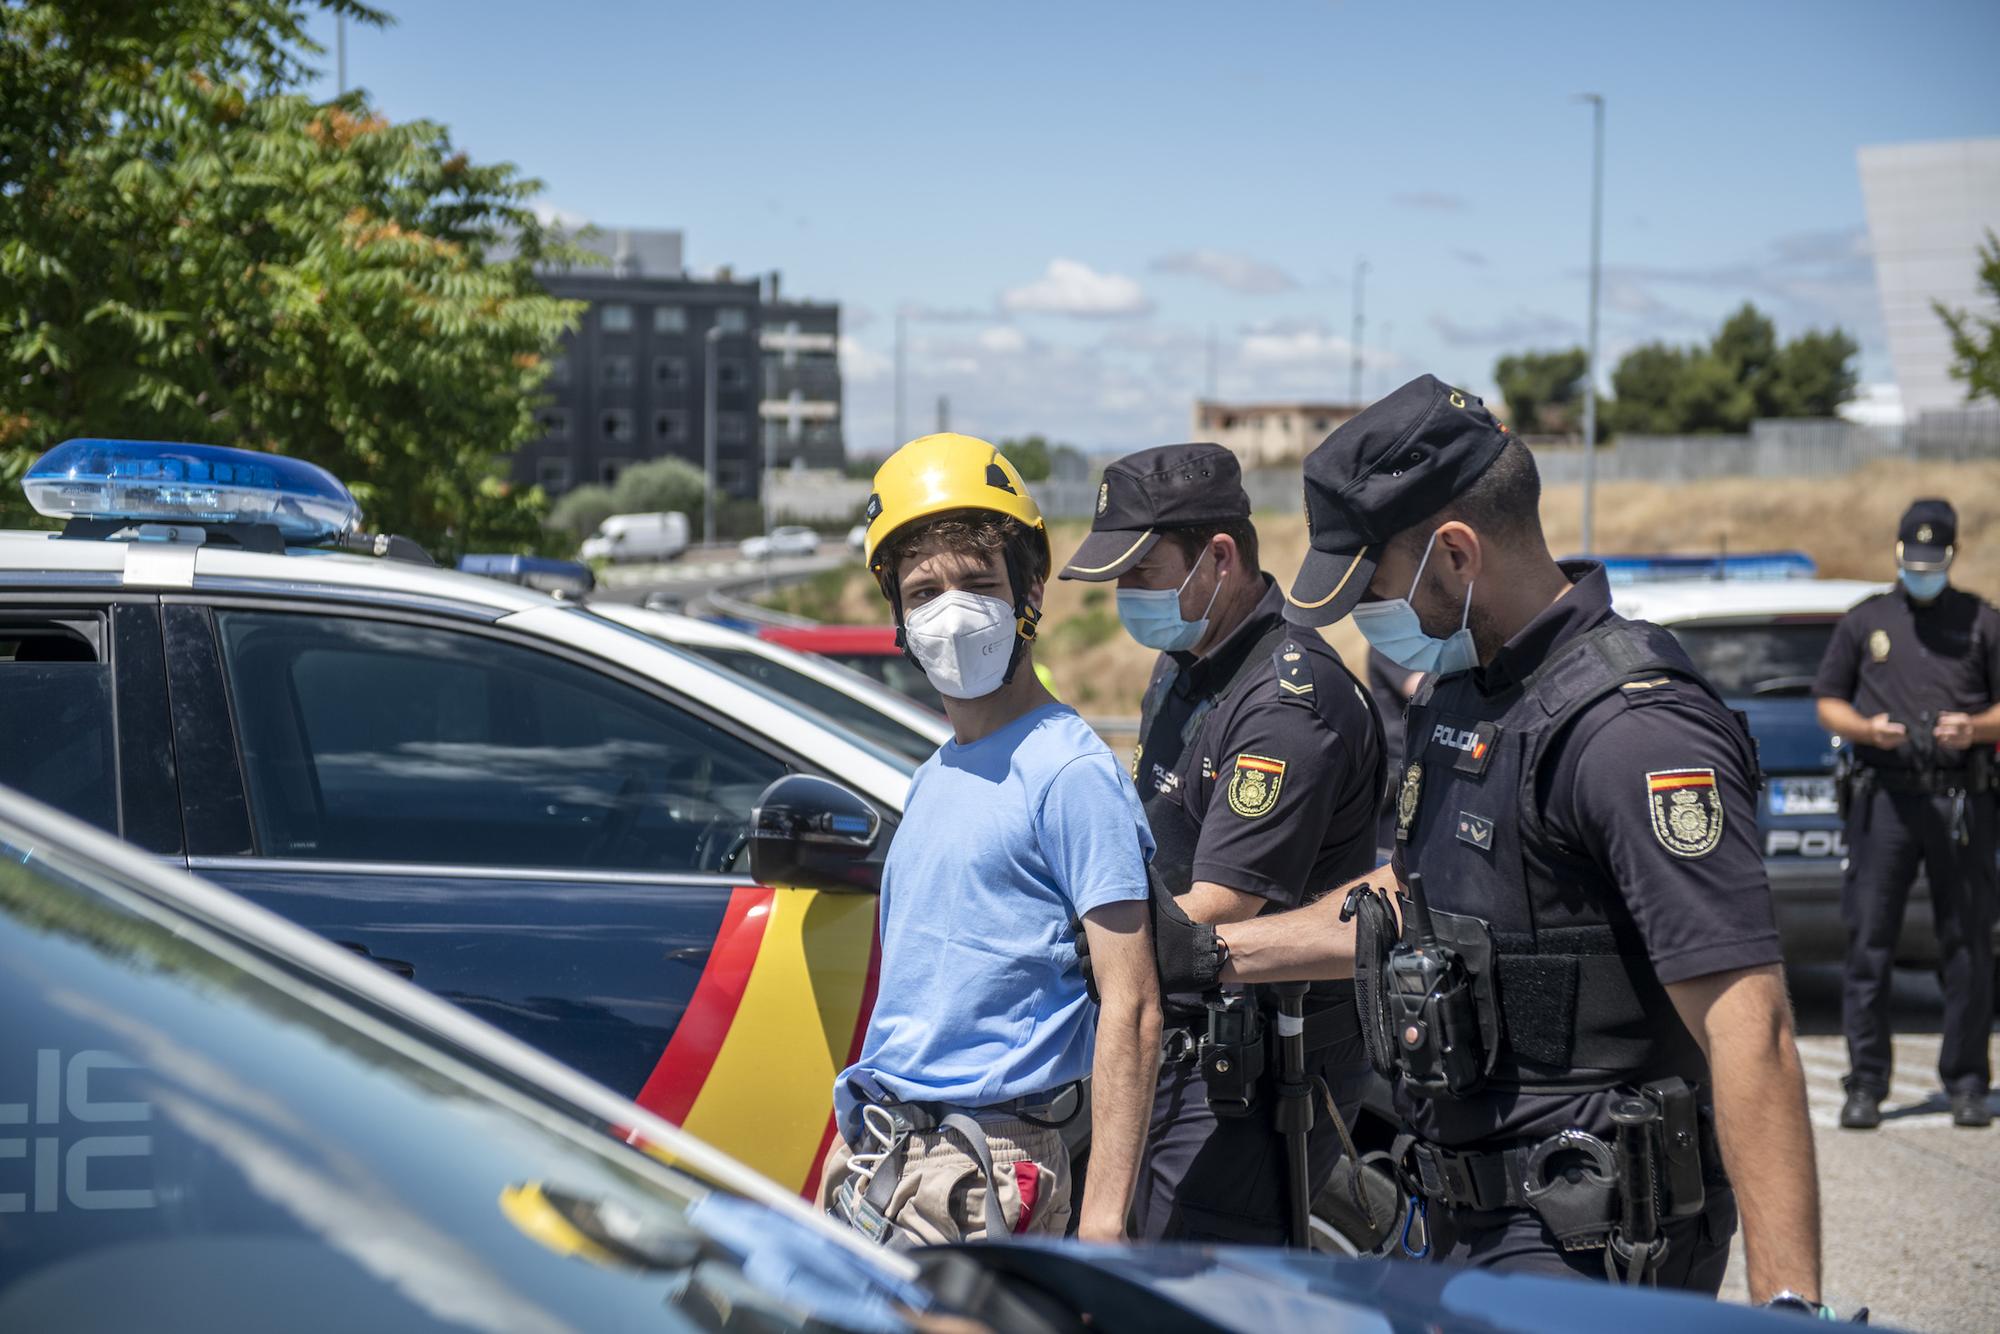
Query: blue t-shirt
{"type": "Point", "coordinates": [1003, 842]}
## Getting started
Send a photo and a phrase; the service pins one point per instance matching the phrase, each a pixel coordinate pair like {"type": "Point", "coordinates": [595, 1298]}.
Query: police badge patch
{"type": "Point", "coordinates": [1686, 810]}
{"type": "Point", "coordinates": [1253, 787]}
{"type": "Point", "coordinates": [1406, 800]}
{"type": "Point", "coordinates": [1878, 645]}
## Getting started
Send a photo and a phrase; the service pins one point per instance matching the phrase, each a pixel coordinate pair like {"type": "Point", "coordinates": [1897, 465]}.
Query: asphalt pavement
{"type": "Point", "coordinates": [1910, 1213]}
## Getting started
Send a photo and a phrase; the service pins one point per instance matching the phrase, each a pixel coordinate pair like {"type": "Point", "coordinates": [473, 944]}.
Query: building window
{"type": "Point", "coordinates": [731, 376]}
{"type": "Point", "coordinates": [552, 475]}
{"type": "Point", "coordinates": [731, 475]}
{"type": "Point", "coordinates": [608, 470]}
{"type": "Point", "coordinates": [731, 429]}
{"type": "Point", "coordinates": [616, 427]}
{"type": "Point", "coordinates": [733, 320]}
{"type": "Point", "coordinates": [554, 422]}
{"type": "Point", "coordinates": [559, 371]}
{"type": "Point", "coordinates": [670, 426]}
{"type": "Point", "coordinates": [823, 433]}
{"type": "Point", "coordinates": [615, 319]}
{"type": "Point", "coordinates": [670, 319]}
{"type": "Point", "coordinates": [670, 373]}
{"type": "Point", "coordinates": [617, 372]}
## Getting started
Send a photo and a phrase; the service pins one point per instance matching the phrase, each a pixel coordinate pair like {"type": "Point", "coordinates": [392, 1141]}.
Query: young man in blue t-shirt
{"type": "Point", "coordinates": [1020, 832]}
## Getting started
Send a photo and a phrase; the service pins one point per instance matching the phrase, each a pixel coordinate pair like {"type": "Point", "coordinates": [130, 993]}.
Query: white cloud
{"type": "Point", "coordinates": [1297, 345]}
{"type": "Point", "coordinates": [857, 362]}
{"type": "Point", "coordinates": [1073, 288]}
{"type": "Point", "coordinates": [1238, 273]}
{"type": "Point", "coordinates": [551, 216]}
{"type": "Point", "coordinates": [1003, 338]}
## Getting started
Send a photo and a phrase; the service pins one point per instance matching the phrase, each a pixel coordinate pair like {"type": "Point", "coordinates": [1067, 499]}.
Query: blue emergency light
{"type": "Point", "coordinates": [155, 481]}
{"type": "Point", "coordinates": [569, 577]}
{"type": "Point", "coordinates": [1749, 565]}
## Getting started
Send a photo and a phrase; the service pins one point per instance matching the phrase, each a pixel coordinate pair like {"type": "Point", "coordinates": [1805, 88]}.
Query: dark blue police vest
{"type": "Point", "coordinates": [1569, 997]}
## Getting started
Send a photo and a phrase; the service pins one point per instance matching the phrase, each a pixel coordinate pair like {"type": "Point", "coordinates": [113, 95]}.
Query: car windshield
{"type": "Point", "coordinates": [221, 1140]}
{"type": "Point", "coordinates": [893, 671]}
{"type": "Point", "coordinates": [1757, 657]}
{"type": "Point", "coordinates": [856, 715]}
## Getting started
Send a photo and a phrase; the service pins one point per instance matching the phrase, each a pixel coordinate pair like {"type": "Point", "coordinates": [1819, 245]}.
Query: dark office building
{"type": "Point", "coordinates": [630, 384]}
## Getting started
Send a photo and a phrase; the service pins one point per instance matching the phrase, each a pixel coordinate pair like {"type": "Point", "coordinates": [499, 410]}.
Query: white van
{"type": "Point", "coordinates": [638, 537]}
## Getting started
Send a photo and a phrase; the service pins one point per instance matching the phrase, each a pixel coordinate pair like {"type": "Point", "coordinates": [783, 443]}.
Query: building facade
{"type": "Point", "coordinates": [1262, 434]}
{"type": "Point", "coordinates": [1930, 206]}
{"type": "Point", "coordinates": [631, 382]}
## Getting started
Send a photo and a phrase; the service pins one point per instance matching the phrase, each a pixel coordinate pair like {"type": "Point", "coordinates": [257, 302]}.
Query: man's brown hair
{"type": "Point", "coordinates": [1192, 540]}
{"type": "Point", "coordinates": [961, 533]}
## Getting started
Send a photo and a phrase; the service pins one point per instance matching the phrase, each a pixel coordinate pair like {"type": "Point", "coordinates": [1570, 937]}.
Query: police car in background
{"type": "Point", "coordinates": [1757, 625]}
{"type": "Point", "coordinates": [525, 808]}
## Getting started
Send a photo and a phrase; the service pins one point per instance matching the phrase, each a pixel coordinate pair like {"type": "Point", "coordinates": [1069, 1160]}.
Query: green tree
{"type": "Point", "coordinates": [1643, 385]}
{"type": "Point", "coordinates": [1814, 375]}
{"type": "Point", "coordinates": [660, 484]}
{"type": "Point", "coordinates": [1975, 339]}
{"type": "Point", "coordinates": [191, 248]}
{"type": "Point", "coordinates": [1747, 348]}
{"type": "Point", "coordinates": [581, 510]}
{"type": "Point", "coordinates": [1030, 457]}
{"type": "Point", "coordinates": [1544, 390]}
{"type": "Point", "coordinates": [1743, 374]}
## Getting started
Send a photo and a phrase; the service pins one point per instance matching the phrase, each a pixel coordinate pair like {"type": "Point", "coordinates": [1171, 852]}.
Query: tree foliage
{"type": "Point", "coordinates": [1030, 456]}
{"type": "Point", "coordinates": [191, 248]}
{"type": "Point", "coordinates": [1742, 374]}
{"type": "Point", "coordinates": [1544, 390]}
{"type": "Point", "coordinates": [644, 488]}
{"type": "Point", "coordinates": [1975, 339]}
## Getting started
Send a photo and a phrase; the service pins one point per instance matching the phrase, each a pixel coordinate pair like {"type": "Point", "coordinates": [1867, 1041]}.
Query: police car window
{"type": "Point", "coordinates": [373, 741]}
{"type": "Point", "coordinates": [855, 715]}
{"type": "Point", "coordinates": [1757, 659]}
{"type": "Point", "coordinates": [56, 714]}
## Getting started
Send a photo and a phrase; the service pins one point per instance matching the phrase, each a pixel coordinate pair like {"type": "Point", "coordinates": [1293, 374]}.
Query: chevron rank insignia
{"type": "Point", "coordinates": [1294, 675]}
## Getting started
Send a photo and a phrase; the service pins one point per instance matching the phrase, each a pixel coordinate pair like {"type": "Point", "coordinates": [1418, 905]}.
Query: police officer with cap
{"type": "Point", "coordinates": [1259, 764]}
{"type": "Point", "coordinates": [1577, 981]}
{"type": "Point", "coordinates": [1912, 678]}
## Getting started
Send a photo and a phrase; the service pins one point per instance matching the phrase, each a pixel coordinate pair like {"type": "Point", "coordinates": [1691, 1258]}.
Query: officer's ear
{"type": "Point", "coordinates": [1222, 550]}
{"type": "Point", "coordinates": [1459, 549]}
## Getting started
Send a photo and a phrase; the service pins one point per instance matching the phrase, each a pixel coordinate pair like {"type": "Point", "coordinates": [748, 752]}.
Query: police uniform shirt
{"type": "Point", "coordinates": [1699, 910]}
{"type": "Point", "coordinates": [1272, 789]}
{"type": "Point", "coordinates": [1894, 655]}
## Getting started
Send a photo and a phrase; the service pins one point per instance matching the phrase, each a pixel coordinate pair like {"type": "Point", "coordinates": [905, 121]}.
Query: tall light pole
{"type": "Point", "coordinates": [1354, 365]}
{"type": "Point", "coordinates": [1596, 101]}
{"type": "Point", "coordinates": [712, 337]}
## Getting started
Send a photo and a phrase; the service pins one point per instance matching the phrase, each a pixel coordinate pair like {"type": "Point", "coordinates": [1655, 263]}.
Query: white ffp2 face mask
{"type": "Point", "coordinates": [963, 641]}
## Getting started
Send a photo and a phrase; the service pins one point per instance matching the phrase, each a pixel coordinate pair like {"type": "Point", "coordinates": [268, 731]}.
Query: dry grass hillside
{"type": "Point", "coordinates": [1847, 524]}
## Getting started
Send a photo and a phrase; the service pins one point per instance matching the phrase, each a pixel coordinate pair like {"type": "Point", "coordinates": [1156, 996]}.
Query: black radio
{"type": "Point", "coordinates": [1433, 1017]}
{"type": "Point", "coordinates": [1232, 1053]}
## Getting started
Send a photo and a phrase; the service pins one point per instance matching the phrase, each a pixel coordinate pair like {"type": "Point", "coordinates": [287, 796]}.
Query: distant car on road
{"type": "Point", "coordinates": [1758, 633]}
{"type": "Point", "coordinates": [868, 649]}
{"type": "Point", "coordinates": [626, 538]}
{"type": "Point", "coordinates": [780, 542]}
{"type": "Point", "coordinates": [857, 537]}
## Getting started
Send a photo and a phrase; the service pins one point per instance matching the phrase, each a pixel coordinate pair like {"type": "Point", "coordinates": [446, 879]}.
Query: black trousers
{"type": "Point", "coordinates": [1223, 1178]}
{"type": "Point", "coordinates": [1514, 1241]}
{"type": "Point", "coordinates": [1888, 837]}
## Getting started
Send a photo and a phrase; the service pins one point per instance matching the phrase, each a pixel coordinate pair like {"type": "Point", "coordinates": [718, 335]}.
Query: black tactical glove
{"type": "Point", "coordinates": [1188, 954]}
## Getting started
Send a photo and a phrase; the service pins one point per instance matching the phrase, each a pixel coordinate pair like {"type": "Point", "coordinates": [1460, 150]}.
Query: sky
{"type": "Point", "coordinates": [1072, 203]}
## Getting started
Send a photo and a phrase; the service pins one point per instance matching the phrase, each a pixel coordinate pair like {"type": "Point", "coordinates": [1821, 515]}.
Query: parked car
{"type": "Point", "coordinates": [779, 543]}
{"type": "Point", "coordinates": [638, 537]}
{"type": "Point", "coordinates": [859, 703]}
{"type": "Point", "coordinates": [868, 649]}
{"type": "Point", "coordinates": [239, 1127]}
{"type": "Point", "coordinates": [1758, 633]}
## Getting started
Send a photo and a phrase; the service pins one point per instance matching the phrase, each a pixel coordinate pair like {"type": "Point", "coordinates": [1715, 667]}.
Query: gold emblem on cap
{"type": "Point", "coordinates": [1923, 532]}
{"type": "Point", "coordinates": [1103, 496]}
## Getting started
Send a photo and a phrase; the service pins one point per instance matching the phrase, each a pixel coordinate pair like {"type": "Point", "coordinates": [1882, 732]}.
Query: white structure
{"type": "Point", "coordinates": [1268, 434]}
{"type": "Point", "coordinates": [1929, 209]}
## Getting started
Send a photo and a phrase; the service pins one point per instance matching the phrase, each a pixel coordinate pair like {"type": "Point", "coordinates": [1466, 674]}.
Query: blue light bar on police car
{"type": "Point", "coordinates": [154, 481]}
{"type": "Point", "coordinates": [1748, 566]}
{"type": "Point", "coordinates": [545, 573]}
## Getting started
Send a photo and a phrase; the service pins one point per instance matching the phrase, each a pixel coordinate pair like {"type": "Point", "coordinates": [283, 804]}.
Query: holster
{"type": "Point", "coordinates": [1374, 936]}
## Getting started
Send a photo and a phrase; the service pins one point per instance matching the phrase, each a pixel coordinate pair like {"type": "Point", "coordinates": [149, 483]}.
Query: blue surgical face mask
{"type": "Point", "coordinates": [1924, 585]}
{"type": "Point", "coordinates": [1153, 615]}
{"type": "Point", "coordinates": [1394, 630]}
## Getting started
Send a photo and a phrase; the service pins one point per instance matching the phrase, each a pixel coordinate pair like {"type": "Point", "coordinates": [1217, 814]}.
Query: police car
{"type": "Point", "coordinates": [856, 702]}
{"type": "Point", "coordinates": [1757, 625]}
{"type": "Point", "coordinates": [530, 810]}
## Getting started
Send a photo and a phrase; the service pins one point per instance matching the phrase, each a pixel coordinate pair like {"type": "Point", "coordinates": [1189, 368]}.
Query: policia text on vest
{"type": "Point", "coordinates": [1259, 762]}
{"type": "Point", "coordinates": [1589, 1005]}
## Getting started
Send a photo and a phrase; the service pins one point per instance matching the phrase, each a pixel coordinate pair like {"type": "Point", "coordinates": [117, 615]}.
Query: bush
{"type": "Point", "coordinates": [660, 486]}
{"type": "Point", "coordinates": [578, 514]}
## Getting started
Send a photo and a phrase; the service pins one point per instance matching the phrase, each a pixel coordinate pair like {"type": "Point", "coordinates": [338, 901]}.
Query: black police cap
{"type": "Point", "coordinates": [1927, 534]}
{"type": "Point", "coordinates": [1389, 467]}
{"type": "Point", "coordinates": [1172, 486]}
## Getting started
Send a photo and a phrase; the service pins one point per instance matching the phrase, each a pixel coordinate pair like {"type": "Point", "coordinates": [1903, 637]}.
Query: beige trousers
{"type": "Point", "coordinates": [941, 1196]}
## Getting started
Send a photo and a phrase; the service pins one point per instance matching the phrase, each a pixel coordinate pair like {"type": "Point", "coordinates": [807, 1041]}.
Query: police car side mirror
{"type": "Point", "coordinates": [810, 833]}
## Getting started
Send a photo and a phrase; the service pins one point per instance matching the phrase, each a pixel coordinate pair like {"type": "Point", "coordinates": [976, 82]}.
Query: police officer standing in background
{"type": "Point", "coordinates": [1259, 764]}
{"type": "Point", "coordinates": [1911, 678]}
{"type": "Point", "coordinates": [1585, 1010]}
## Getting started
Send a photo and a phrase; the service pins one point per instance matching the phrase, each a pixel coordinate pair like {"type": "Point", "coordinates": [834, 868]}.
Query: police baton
{"type": "Point", "coordinates": [1293, 1111]}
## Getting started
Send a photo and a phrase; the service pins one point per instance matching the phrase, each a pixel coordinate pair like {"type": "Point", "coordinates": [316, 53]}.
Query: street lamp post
{"type": "Point", "coordinates": [713, 336]}
{"type": "Point", "coordinates": [1596, 101]}
{"type": "Point", "coordinates": [1354, 349]}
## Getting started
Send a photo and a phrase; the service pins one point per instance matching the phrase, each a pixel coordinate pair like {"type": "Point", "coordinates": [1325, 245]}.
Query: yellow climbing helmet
{"type": "Point", "coordinates": [938, 474]}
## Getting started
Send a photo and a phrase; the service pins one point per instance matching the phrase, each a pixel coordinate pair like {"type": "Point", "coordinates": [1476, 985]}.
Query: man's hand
{"type": "Point", "coordinates": [1743, 1021]}
{"type": "Point", "coordinates": [1886, 734]}
{"type": "Point", "coordinates": [1953, 730]}
{"type": "Point", "coordinates": [1126, 1066]}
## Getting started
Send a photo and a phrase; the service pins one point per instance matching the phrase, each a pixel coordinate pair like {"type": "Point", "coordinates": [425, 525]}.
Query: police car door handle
{"type": "Point", "coordinates": [399, 967]}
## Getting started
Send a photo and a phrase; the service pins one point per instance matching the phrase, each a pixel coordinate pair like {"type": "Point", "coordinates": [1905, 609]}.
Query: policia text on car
{"type": "Point", "coordinates": [1911, 678]}
{"type": "Point", "coordinates": [1598, 947]}
{"type": "Point", "coordinates": [1259, 762]}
